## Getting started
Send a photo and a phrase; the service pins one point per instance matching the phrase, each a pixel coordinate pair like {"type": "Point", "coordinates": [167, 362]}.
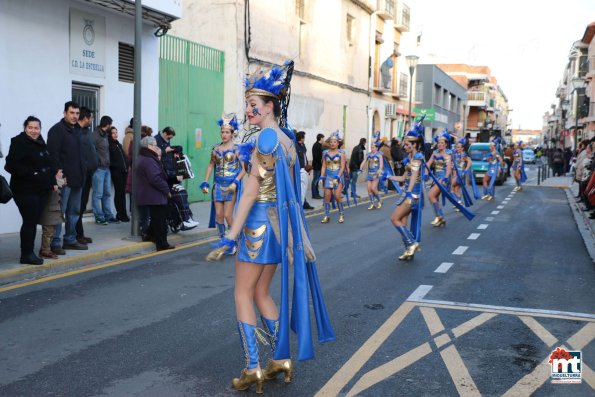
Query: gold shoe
{"type": "Point", "coordinates": [372, 206]}
{"type": "Point", "coordinates": [490, 198]}
{"type": "Point", "coordinates": [520, 188]}
{"type": "Point", "coordinates": [274, 368]}
{"type": "Point", "coordinates": [410, 252]}
{"type": "Point", "coordinates": [326, 219]}
{"type": "Point", "coordinates": [439, 221]}
{"type": "Point", "coordinates": [436, 221]}
{"type": "Point", "coordinates": [485, 196]}
{"type": "Point", "coordinates": [341, 219]}
{"type": "Point", "coordinates": [379, 205]}
{"type": "Point", "coordinates": [515, 189]}
{"type": "Point", "coordinates": [217, 254]}
{"type": "Point", "coordinates": [246, 380]}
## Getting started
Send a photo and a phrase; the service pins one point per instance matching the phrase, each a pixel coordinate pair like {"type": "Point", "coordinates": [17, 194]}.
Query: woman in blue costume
{"type": "Point", "coordinates": [411, 202]}
{"type": "Point", "coordinates": [442, 162]}
{"type": "Point", "coordinates": [489, 179]}
{"type": "Point", "coordinates": [225, 161]}
{"type": "Point", "coordinates": [375, 164]}
{"type": "Point", "coordinates": [462, 163]}
{"type": "Point", "coordinates": [269, 228]}
{"type": "Point", "coordinates": [331, 176]}
{"type": "Point", "coordinates": [518, 167]}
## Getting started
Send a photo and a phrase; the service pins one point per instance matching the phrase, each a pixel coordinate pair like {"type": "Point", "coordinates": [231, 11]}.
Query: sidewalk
{"type": "Point", "coordinates": [111, 242]}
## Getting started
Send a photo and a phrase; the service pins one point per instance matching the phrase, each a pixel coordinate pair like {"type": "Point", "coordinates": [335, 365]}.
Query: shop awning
{"type": "Point", "coordinates": [159, 17]}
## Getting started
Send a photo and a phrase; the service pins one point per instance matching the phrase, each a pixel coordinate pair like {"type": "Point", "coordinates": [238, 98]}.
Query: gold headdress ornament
{"type": "Point", "coordinates": [229, 121]}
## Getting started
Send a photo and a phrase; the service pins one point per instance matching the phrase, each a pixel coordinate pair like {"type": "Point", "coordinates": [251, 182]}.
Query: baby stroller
{"type": "Point", "coordinates": [179, 213]}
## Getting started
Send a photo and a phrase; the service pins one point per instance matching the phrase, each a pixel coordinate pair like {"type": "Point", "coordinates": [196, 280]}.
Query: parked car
{"type": "Point", "coordinates": [528, 156]}
{"type": "Point", "coordinates": [479, 167]}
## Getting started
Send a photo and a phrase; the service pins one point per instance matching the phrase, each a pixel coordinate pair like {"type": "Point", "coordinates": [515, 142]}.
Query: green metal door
{"type": "Point", "coordinates": [191, 101]}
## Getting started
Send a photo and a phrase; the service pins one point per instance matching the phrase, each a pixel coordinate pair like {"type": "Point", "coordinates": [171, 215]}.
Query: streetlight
{"type": "Point", "coordinates": [577, 83]}
{"type": "Point", "coordinates": [412, 63]}
{"type": "Point", "coordinates": [565, 105]}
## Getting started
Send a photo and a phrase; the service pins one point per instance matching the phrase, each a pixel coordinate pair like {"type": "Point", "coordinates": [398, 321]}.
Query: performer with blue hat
{"type": "Point", "coordinates": [269, 228]}
{"type": "Point", "coordinates": [225, 161]}
{"type": "Point", "coordinates": [441, 159]}
{"type": "Point", "coordinates": [461, 169]}
{"type": "Point", "coordinates": [494, 161]}
{"type": "Point", "coordinates": [374, 165]}
{"type": "Point", "coordinates": [331, 176]}
{"type": "Point", "coordinates": [411, 202]}
{"type": "Point", "coordinates": [518, 166]}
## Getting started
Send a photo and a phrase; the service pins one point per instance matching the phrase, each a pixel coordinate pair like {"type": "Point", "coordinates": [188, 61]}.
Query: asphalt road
{"type": "Point", "coordinates": [480, 320]}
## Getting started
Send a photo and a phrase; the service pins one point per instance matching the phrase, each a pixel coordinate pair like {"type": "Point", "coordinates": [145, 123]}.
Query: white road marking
{"type": "Point", "coordinates": [419, 292]}
{"type": "Point", "coordinates": [483, 226]}
{"type": "Point", "coordinates": [490, 218]}
{"type": "Point", "coordinates": [473, 236]}
{"type": "Point", "coordinates": [460, 251]}
{"type": "Point", "coordinates": [443, 268]}
{"type": "Point", "coordinates": [507, 199]}
{"type": "Point", "coordinates": [500, 207]}
{"type": "Point", "coordinates": [495, 212]}
{"type": "Point", "coordinates": [504, 202]}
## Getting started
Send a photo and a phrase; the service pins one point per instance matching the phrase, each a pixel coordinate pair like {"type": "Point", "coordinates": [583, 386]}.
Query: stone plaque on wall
{"type": "Point", "coordinates": [87, 43]}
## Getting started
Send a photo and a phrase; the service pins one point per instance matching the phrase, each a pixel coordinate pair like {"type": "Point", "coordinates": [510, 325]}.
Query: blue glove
{"type": "Point", "coordinates": [426, 177]}
{"type": "Point", "coordinates": [408, 195]}
{"type": "Point", "coordinates": [337, 178]}
{"type": "Point", "coordinates": [205, 185]}
{"type": "Point", "coordinates": [323, 178]}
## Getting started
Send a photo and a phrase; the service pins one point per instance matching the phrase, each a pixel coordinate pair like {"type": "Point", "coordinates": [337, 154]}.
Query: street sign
{"type": "Point", "coordinates": [429, 112]}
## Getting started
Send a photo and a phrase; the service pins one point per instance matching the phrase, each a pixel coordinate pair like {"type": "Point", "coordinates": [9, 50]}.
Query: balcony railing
{"type": "Point", "coordinates": [402, 18]}
{"type": "Point", "coordinates": [386, 9]}
{"type": "Point", "coordinates": [477, 98]}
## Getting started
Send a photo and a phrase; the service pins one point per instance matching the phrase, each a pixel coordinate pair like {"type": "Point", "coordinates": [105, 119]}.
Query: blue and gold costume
{"type": "Point", "coordinates": [227, 168]}
{"type": "Point", "coordinates": [333, 166]}
{"type": "Point", "coordinates": [373, 160]}
{"type": "Point", "coordinates": [518, 165]}
{"type": "Point", "coordinates": [493, 168]}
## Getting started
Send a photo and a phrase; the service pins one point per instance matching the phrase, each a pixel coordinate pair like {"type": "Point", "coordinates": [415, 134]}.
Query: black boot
{"type": "Point", "coordinates": [31, 259]}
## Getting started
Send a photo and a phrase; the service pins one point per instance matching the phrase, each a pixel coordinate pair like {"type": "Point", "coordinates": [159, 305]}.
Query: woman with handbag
{"type": "Point", "coordinates": [33, 177]}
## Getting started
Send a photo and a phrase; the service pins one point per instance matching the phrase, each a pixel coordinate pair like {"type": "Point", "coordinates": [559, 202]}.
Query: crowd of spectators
{"type": "Point", "coordinates": [52, 182]}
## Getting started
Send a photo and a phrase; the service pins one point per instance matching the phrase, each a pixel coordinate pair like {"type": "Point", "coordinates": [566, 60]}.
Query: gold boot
{"type": "Point", "coordinates": [516, 189]}
{"type": "Point", "coordinates": [341, 218]}
{"type": "Point", "coordinates": [274, 368]}
{"type": "Point", "coordinates": [246, 380]}
{"type": "Point", "coordinates": [372, 206]}
{"type": "Point", "coordinates": [379, 205]}
{"type": "Point", "coordinates": [485, 196]}
{"type": "Point", "coordinates": [439, 221]}
{"type": "Point", "coordinates": [520, 188]}
{"type": "Point", "coordinates": [490, 198]}
{"type": "Point", "coordinates": [410, 252]}
{"type": "Point", "coordinates": [325, 219]}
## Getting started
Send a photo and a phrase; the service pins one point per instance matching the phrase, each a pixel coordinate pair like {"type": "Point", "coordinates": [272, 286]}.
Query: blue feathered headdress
{"type": "Point", "coordinates": [336, 135]}
{"type": "Point", "coordinates": [463, 141]}
{"type": "Point", "coordinates": [275, 83]}
{"type": "Point", "coordinates": [376, 136]}
{"type": "Point", "coordinates": [229, 121]}
{"type": "Point", "coordinates": [497, 140]}
{"type": "Point", "coordinates": [417, 132]}
{"type": "Point", "coordinates": [443, 135]}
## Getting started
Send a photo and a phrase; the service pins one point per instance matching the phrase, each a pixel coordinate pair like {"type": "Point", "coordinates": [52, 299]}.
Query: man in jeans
{"type": "Point", "coordinates": [102, 181]}
{"type": "Point", "coordinates": [316, 165]}
{"type": "Point", "coordinates": [85, 122]}
{"type": "Point", "coordinates": [355, 162]}
{"type": "Point", "coordinates": [65, 147]}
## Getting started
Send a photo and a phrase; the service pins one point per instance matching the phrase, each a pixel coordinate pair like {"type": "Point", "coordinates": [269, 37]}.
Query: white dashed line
{"type": "Point", "coordinates": [473, 236]}
{"type": "Point", "coordinates": [507, 199]}
{"type": "Point", "coordinates": [490, 218]}
{"type": "Point", "coordinates": [460, 251]}
{"type": "Point", "coordinates": [420, 292]}
{"type": "Point", "coordinates": [495, 212]}
{"type": "Point", "coordinates": [504, 202]}
{"type": "Point", "coordinates": [500, 207]}
{"type": "Point", "coordinates": [483, 226]}
{"type": "Point", "coordinates": [443, 268]}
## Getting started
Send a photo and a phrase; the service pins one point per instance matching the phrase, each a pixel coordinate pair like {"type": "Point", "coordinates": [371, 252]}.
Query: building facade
{"type": "Point", "coordinates": [74, 49]}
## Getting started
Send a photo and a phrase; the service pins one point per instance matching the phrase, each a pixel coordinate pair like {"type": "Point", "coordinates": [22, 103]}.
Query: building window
{"type": "Point", "coordinates": [300, 9]}
{"type": "Point", "coordinates": [350, 28]}
{"type": "Point", "coordinates": [125, 63]}
{"type": "Point", "coordinates": [403, 85]}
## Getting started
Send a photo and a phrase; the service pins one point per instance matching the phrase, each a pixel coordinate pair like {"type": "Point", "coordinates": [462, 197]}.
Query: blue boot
{"type": "Point", "coordinates": [250, 348]}
{"type": "Point", "coordinates": [341, 210]}
{"type": "Point", "coordinates": [275, 367]}
{"type": "Point", "coordinates": [327, 210]}
{"type": "Point", "coordinates": [221, 229]}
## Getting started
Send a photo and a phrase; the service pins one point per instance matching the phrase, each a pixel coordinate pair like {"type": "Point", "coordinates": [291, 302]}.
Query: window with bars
{"type": "Point", "coordinates": [300, 8]}
{"type": "Point", "coordinates": [403, 85]}
{"type": "Point", "coordinates": [125, 62]}
{"type": "Point", "coordinates": [350, 28]}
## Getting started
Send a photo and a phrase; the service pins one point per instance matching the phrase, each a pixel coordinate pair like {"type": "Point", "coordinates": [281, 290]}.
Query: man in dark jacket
{"type": "Point", "coordinates": [355, 162]}
{"type": "Point", "coordinates": [66, 149]}
{"type": "Point", "coordinates": [85, 122]}
{"type": "Point", "coordinates": [153, 191]}
{"type": "Point", "coordinates": [316, 165]}
{"type": "Point", "coordinates": [397, 154]}
{"type": "Point", "coordinates": [102, 181]}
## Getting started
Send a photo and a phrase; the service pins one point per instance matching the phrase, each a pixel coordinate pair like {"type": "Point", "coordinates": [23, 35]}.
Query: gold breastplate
{"type": "Point", "coordinates": [333, 164]}
{"type": "Point", "coordinates": [411, 167]}
{"type": "Point", "coordinates": [267, 192]}
{"type": "Point", "coordinates": [374, 162]}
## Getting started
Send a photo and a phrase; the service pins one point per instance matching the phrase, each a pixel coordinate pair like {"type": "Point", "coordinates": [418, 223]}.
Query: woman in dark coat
{"type": "Point", "coordinates": [152, 191]}
{"type": "Point", "coordinates": [119, 171]}
{"type": "Point", "coordinates": [33, 177]}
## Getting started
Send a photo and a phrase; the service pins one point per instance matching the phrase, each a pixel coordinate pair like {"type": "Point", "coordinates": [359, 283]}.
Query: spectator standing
{"type": "Point", "coordinates": [168, 159]}
{"type": "Point", "coordinates": [558, 162]}
{"type": "Point", "coordinates": [143, 211]}
{"type": "Point", "coordinates": [128, 136]}
{"type": "Point", "coordinates": [32, 178]}
{"type": "Point", "coordinates": [66, 149]}
{"type": "Point", "coordinates": [397, 154]}
{"type": "Point", "coordinates": [316, 165]}
{"type": "Point", "coordinates": [153, 191]}
{"type": "Point", "coordinates": [508, 153]}
{"type": "Point", "coordinates": [567, 158]}
{"type": "Point", "coordinates": [85, 122]}
{"type": "Point", "coordinates": [119, 172]}
{"type": "Point", "coordinates": [102, 181]}
{"type": "Point", "coordinates": [355, 162]}
{"type": "Point", "coordinates": [303, 159]}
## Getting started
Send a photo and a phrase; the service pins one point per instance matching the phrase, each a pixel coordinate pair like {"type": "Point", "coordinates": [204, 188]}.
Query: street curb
{"type": "Point", "coordinates": [57, 265]}
{"type": "Point", "coordinates": [583, 225]}
{"type": "Point", "coordinates": [139, 247]}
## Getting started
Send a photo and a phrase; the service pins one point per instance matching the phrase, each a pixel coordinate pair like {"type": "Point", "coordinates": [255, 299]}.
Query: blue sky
{"type": "Point", "coordinates": [525, 43]}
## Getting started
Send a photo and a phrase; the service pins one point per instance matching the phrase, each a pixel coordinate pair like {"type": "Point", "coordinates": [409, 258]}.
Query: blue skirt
{"type": "Point", "coordinates": [257, 242]}
{"type": "Point", "coordinates": [220, 189]}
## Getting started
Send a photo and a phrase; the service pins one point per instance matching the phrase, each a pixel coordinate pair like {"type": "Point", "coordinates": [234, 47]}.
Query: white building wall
{"type": "Point", "coordinates": [35, 73]}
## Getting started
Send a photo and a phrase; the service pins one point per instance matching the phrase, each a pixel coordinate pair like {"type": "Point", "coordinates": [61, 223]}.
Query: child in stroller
{"type": "Point", "coordinates": [179, 213]}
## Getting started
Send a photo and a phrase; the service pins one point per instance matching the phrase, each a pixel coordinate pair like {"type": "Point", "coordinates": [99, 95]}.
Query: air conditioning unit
{"type": "Point", "coordinates": [390, 110]}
